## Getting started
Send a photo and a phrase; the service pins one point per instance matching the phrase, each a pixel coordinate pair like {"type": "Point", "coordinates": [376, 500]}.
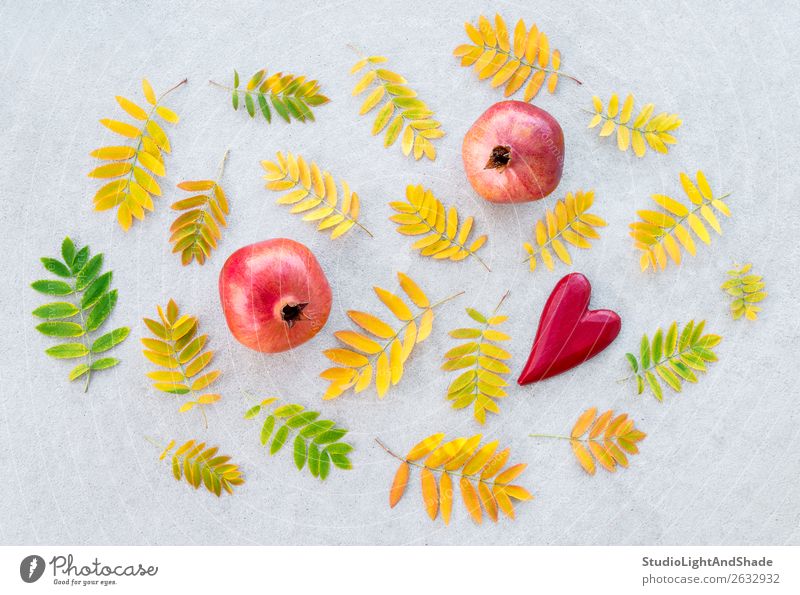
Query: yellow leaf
{"type": "Point", "coordinates": [121, 128]}
{"type": "Point", "coordinates": [394, 303]}
{"type": "Point", "coordinates": [345, 357]}
{"type": "Point", "coordinates": [371, 324]}
{"type": "Point", "coordinates": [131, 108]}
{"type": "Point", "coordinates": [149, 94]}
{"type": "Point", "coordinates": [383, 375]}
{"type": "Point", "coordinates": [358, 341]}
{"type": "Point", "coordinates": [445, 497]}
{"type": "Point", "coordinates": [424, 447]}
{"type": "Point", "coordinates": [413, 291]}
{"type": "Point", "coordinates": [372, 100]}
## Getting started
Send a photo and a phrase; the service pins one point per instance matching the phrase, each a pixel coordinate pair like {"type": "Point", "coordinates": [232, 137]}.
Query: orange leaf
{"type": "Point", "coordinates": [429, 493]}
{"type": "Point", "coordinates": [398, 485]}
{"type": "Point", "coordinates": [488, 500]}
{"type": "Point", "coordinates": [511, 473]}
{"type": "Point", "coordinates": [583, 422]}
{"type": "Point", "coordinates": [446, 497]}
{"type": "Point", "coordinates": [471, 501]}
{"type": "Point", "coordinates": [583, 456]}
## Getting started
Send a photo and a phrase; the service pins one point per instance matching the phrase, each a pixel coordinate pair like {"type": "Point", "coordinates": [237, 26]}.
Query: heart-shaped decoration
{"type": "Point", "coordinates": [569, 333]}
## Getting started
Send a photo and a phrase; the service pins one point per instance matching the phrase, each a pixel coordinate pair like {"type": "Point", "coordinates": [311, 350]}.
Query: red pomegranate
{"type": "Point", "coordinates": [514, 153]}
{"type": "Point", "coordinates": [274, 294]}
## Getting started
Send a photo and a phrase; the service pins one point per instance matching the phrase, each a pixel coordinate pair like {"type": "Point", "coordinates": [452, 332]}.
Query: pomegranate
{"type": "Point", "coordinates": [274, 294]}
{"type": "Point", "coordinates": [514, 153]}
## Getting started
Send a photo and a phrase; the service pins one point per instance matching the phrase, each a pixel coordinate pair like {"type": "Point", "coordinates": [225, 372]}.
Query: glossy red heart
{"type": "Point", "coordinates": [569, 333]}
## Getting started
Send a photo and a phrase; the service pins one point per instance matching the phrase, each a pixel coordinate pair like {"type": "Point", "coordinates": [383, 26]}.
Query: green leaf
{"type": "Point", "coordinates": [56, 310]}
{"type": "Point", "coordinates": [288, 410]}
{"type": "Point", "coordinates": [658, 342]}
{"type": "Point", "coordinates": [68, 251]}
{"type": "Point", "coordinates": [56, 267]}
{"type": "Point", "coordinates": [341, 461]}
{"type": "Point", "coordinates": [293, 108]}
{"type": "Point", "coordinates": [644, 353]}
{"type": "Point", "coordinates": [265, 111]}
{"type": "Point", "coordinates": [339, 448]}
{"type": "Point", "coordinates": [60, 329]}
{"type": "Point", "coordinates": [686, 336]}
{"type": "Point", "coordinates": [671, 340]}
{"type": "Point", "coordinates": [682, 370]}
{"type": "Point", "coordinates": [96, 289]}
{"type": "Point", "coordinates": [101, 310]}
{"type": "Point", "coordinates": [104, 363]}
{"type": "Point", "coordinates": [698, 331]}
{"type": "Point", "coordinates": [78, 371]}
{"type": "Point", "coordinates": [235, 79]}
{"type": "Point", "coordinates": [252, 412]}
{"type": "Point", "coordinates": [316, 428]}
{"type": "Point", "coordinates": [248, 103]}
{"type": "Point", "coordinates": [280, 438]}
{"type": "Point", "coordinates": [706, 354]}
{"type": "Point", "coordinates": [89, 271]}
{"type": "Point", "coordinates": [632, 361]}
{"type": "Point", "coordinates": [279, 107]}
{"type": "Point", "coordinates": [324, 465]}
{"type": "Point", "coordinates": [235, 100]}
{"type": "Point", "coordinates": [302, 419]}
{"type": "Point", "coordinates": [80, 259]}
{"type": "Point", "coordinates": [639, 385]}
{"type": "Point", "coordinates": [300, 452]}
{"type": "Point", "coordinates": [266, 429]}
{"type": "Point", "coordinates": [330, 436]}
{"type": "Point", "coordinates": [107, 341]}
{"type": "Point", "coordinates": [652, 381]}
{"type": "Point", "coordinates": [68, 351]}
{"type": "Point", "coordinates": [476, 316]}
{"type": "Point", "coordinates": [694, 361]}
{"type": "Point", "coordinates": [313, 459]}
{"type": "Point", "coordinates": [52, 287]}
{"type": "Point", "coordinates": [669, 377]}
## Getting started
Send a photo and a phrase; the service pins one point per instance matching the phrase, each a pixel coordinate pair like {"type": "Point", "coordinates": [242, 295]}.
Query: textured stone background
{"type": "Point", "coordinates": [720, 464]}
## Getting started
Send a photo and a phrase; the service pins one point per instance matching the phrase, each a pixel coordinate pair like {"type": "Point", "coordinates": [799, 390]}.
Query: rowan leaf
{"type": "Point", "coordinates": [400, 113]}
{"type": "Point", "coordinates": [745, 288]}
{"type": "Point", "coordinates": [197, 464]}
{"type": "Point", "coordinates": [440, 235]}
{"type": "Point", "coordinates": [314, 193]}
{"type": "Point", "coordinates": [481, 477]}
{"type": "Point", "coordinates": [669, 359]}
{"type": "Point", "coordinates": [511, 62]}
{"type": "Point", "coordinates": [603, 439]}
{"type": "Point", "coordinates": [471, 388]}
{"type": "Point", "coordinates": [180, 353]}
{"type": "Point", "coordinates": [131, 188]}
{"type": "Point", "coordinates": [382, 356]}
{"type": "Point", "coordinates": [80, 276]}
{"type": "Point", "coordinates": [316, 441]}
{"type": "Point", "coordinates": [661, 235]}
{"type": "Point", "coordinates": [196, 231]}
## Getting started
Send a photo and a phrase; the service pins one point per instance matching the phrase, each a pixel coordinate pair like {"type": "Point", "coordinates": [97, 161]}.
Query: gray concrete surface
{"type": "Point", "coordinates": [720, 465]}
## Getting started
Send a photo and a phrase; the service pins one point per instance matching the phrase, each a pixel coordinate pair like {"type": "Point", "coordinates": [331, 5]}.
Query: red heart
{"type": "Point", "coordinates": [569, 333]}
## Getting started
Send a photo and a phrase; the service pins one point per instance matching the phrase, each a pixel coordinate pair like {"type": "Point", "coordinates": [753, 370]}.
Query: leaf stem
{"type": "Point", "coordinates": [534, 66]}
{"type": "Point", "coordinates": [474, 477]}
{"type": "Point", "coordinates": [84, 339]}
{"type": "Point", "coordinates": [221, 167]}
{"type": "Point", "coordinates": [553, 436]}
